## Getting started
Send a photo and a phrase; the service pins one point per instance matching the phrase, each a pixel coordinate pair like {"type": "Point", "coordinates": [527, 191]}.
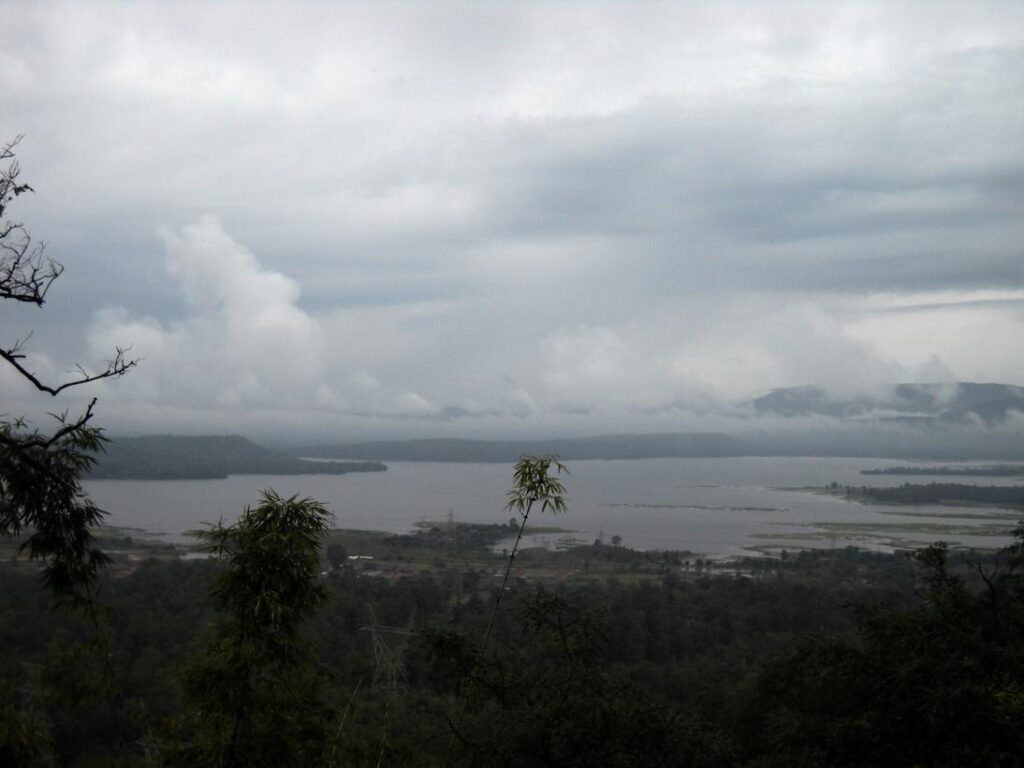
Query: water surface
{"type": "Point", "coordinates": [711, 506]}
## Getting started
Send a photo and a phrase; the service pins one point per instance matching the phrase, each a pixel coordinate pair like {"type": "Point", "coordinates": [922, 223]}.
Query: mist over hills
{"type": "Point", "coordinates": [680, 444]}
{"type": "Point", "coordinates": [953, 402]}
{"type": "Point", "coordinates": [925, 421]}
{"type": "Point", "coordinates": [906, 421]}
{"type": "Point", "coordinates": [915, 441]}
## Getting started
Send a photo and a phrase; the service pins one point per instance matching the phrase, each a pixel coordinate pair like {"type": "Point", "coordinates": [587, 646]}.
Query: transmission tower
{"type": "Point", "coordinates": [453, 542]}
{"type": "Point", "coordinates": [389, 644]}
{"type": "Point", "coordinates": [453, 529]}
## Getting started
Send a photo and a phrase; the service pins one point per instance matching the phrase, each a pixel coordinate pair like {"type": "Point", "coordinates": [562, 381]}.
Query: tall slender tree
{"type": "Point", "coordinates": [252, 694]}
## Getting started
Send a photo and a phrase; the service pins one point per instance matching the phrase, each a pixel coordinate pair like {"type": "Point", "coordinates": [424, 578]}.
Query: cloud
{"type": "Point", "coordinates": [244, 342]}
{"type": "Point", "coordinates": [244, 346]}
{"type": "Point", "coordinates": [245, 352]}
{"type": "Point", "coordinates": [527, 217]}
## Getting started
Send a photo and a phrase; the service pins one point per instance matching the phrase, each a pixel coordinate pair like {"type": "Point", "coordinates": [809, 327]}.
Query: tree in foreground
{"type": "Point", "coordinates": [533, 485]}
{"type": "Point", "coordinates": [939, 683]}
{"type": "Point", "coordinates": [40, 472]}
{"type": "Point", "coordinates": [549, 696]}
{"type": "Point", "coordinates": [252, 695]}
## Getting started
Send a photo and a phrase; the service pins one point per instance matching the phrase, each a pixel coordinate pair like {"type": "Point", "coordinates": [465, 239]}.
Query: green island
{"type": "Point", "coordinates": [968, 470]}
{"type": "Point", "coordinates": [1009, 496]}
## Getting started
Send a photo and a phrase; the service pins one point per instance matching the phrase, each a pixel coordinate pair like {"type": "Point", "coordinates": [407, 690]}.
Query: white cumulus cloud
{"type": "Point", "coordinates": [245, 340]}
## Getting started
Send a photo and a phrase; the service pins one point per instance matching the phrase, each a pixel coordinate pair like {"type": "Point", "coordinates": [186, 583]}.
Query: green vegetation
{"type": "Point", "coordinates": [251, 697]}
{"type": "Point", "coordinates": [991, 470]}
{"type": "Point", "coordinates": [534, 486]}
{"type": "Point", "coordinates": [937, 682]}
{"type": "Point", "coordinates": [943, 493]}
{"type": "Point", "coordinates": [644, 659]}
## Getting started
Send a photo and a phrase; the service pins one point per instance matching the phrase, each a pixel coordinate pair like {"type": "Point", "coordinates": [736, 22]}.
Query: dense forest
{"type": "Point", "coordinates": [834, 657]}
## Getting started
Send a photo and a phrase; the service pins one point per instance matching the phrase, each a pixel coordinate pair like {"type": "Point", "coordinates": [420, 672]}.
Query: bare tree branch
{"type": "Point", "coordinates": [41, 474]}
{"type": "Point", "coordinates": [26, 274]}
{"type": "Point", "coordinates": [117, 366]}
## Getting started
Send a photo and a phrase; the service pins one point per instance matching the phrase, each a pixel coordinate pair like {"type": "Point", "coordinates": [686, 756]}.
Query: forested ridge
{"type": "Point", "coordinates": [186, 457]}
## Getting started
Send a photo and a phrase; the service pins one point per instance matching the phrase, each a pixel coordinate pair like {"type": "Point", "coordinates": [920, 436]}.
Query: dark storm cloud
{"type": "Point", "coordinates": [740, 191]}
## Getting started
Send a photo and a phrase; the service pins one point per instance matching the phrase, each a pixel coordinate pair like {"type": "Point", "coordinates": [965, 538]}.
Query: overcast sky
{"type": "Point", "coordinates": [514, 218]}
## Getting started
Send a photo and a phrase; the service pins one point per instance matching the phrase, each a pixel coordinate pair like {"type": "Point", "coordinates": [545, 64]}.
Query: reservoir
{"type": "Point", "coordinates": [715, 506]}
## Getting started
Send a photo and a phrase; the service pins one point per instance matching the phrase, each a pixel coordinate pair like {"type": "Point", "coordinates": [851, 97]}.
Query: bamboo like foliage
{"type": "Point", "coordinates": [253, 693]}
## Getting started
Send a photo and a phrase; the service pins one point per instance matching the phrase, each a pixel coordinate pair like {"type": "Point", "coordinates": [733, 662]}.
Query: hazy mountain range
{"type": "Point", "coordinates": [906, 421]}
{"type": "Point", "coordinates": [928, 420]}
{"type": "Point", "coordinates": [961, 402]}
{"type": "Point", "coordinates": [177, 457]}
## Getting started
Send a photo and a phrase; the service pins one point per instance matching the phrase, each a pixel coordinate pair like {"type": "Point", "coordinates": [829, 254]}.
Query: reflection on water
{"type": "Point", "coordinates": [712, 506]}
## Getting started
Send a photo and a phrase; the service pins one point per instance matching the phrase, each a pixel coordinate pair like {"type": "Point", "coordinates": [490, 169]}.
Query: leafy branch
{"type": "Point", "coordinates": [533, 485]}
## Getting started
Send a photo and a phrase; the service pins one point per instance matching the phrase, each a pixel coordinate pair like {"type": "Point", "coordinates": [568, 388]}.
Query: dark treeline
{"type": "Point", "coordinates": [935, 493]}
{"type": "Point", "coordinates": [825, 658]}
{"type": "Point", "coordinates": [992, 470]}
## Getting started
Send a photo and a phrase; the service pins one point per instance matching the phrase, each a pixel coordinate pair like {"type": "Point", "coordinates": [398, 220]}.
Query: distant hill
{"type": "Point", "coordinates": [176, 457]}
{"type": "Point", "coordinates": [497, 451]}
{"type": "Point", "coordinates": [920, 440]}
{"type": "Point", "coordinates": [906, 421]}
{"type": "Point", "coordinates": [964, 402]}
